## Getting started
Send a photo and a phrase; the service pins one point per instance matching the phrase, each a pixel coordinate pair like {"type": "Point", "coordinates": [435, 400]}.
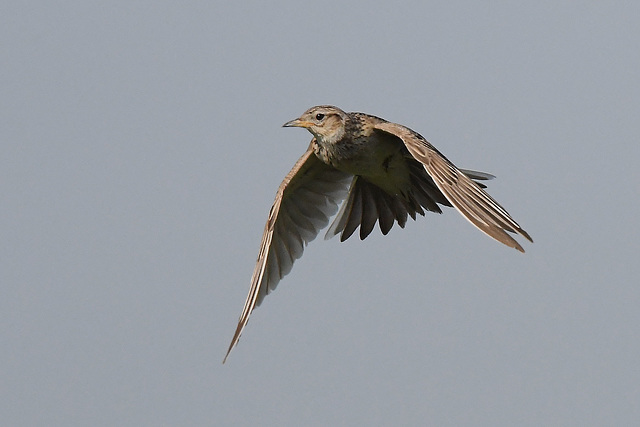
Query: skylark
{"type": "Point", "coordinates": [385, 171]}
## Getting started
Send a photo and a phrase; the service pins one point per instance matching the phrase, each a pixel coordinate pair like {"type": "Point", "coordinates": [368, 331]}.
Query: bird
{"type": "Point", "coordinates": [381, 172]}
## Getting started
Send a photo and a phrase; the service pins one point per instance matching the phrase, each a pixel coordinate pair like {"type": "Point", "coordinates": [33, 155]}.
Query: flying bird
{"type": "Point", "coordinates": [384, 172]}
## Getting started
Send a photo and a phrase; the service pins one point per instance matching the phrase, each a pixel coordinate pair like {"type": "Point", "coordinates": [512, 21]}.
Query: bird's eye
{"type": "Point", "coordinates": [319, 116]}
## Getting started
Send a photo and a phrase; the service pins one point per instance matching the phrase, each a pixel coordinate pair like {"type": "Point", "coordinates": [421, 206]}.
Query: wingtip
{"type": "Point", "coordinates": [526, 235]}
{"type": "Point", "coordinates": [234, 341]}
{"type": "Point", "coordinates": [227, 355]}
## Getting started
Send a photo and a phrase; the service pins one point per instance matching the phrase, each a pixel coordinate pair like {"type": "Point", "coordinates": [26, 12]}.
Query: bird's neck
{"type": "Point", "coordinates": [332, 139]}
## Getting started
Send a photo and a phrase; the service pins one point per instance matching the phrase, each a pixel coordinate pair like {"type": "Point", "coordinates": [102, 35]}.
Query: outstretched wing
{"type": "Point", "coordinates": [475, 204]}
{"type": "Point", "coordinates": [307, 197]}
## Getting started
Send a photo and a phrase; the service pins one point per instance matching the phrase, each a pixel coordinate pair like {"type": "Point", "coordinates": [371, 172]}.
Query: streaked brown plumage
{"type": "Point", "coordinates": [386, 172]}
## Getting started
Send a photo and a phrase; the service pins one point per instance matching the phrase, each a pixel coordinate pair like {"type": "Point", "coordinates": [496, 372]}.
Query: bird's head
{"type": "Point", "coordinates": [325, 122]}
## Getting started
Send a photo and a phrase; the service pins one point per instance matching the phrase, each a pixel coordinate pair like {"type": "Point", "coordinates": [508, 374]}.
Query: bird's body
{"type": "Point", "coordinates": [362, 151]}
{"type": "Point", "coordinates": [385, 171]}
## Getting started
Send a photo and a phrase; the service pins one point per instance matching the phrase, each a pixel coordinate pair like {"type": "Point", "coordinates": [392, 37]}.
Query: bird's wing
{"type": "Point", "coordinates": [365, 204]}
{"type": "Point", "coordinates": [307, 197]}
{"type": "Point", "coordinates": [466, 196]}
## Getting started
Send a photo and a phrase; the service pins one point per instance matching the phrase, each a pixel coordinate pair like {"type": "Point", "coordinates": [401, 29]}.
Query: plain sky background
{"type": "Point", "coordinates": [141, 148]}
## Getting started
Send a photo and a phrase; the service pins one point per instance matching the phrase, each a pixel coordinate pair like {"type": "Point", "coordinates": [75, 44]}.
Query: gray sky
{"type": "Point", "coordinates": [141, 150]}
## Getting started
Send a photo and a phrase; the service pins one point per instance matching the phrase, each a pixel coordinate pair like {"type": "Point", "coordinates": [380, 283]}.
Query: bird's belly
{"type": "Point", "coordinates": [381, 164]}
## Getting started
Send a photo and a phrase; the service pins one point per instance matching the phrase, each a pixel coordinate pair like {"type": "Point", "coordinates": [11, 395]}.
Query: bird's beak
{"type": "Point", "coordinates": [297, 123]}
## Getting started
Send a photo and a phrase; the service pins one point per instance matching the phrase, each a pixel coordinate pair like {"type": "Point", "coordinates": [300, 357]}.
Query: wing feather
{"type": "Point", "coordinates": [387, 216]}
{"type": "Point", "coordinates": [354, 213]}
{"type": "Point", "coordinates": [369, 212]}
{"type": "Point", "coordinates": [307, 197]}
